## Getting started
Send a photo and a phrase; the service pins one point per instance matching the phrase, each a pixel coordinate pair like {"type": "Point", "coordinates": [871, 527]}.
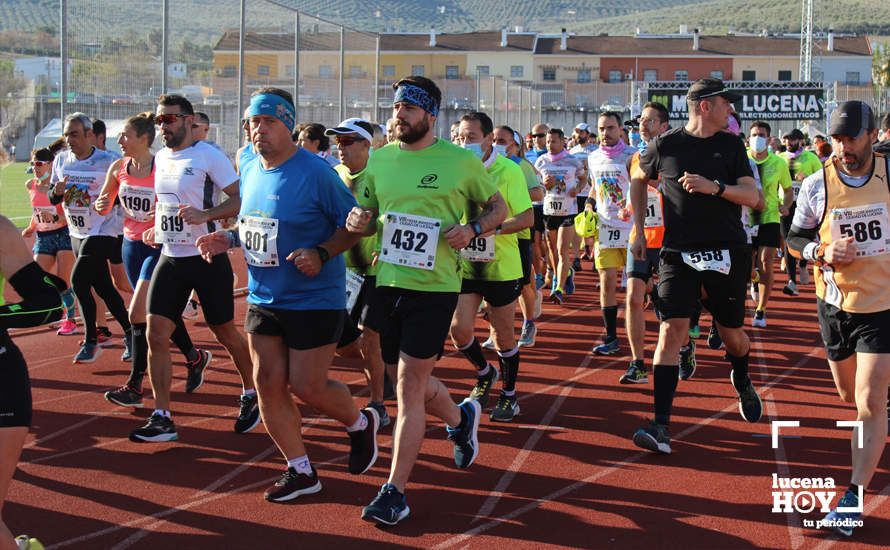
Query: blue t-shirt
{"type": "Point", "coordinates": [309, 202]}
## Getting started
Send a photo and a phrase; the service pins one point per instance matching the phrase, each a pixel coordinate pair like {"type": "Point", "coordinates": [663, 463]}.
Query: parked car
{"type": "Point", "coordinates": [122, 100]}
{"type": "Point", "coordinates": [213, 99]}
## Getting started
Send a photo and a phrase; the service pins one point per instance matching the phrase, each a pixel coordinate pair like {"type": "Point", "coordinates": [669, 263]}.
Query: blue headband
{"type": "Point", "coordinates": [408, 93]}
{"type": "Point", "coordinates": [273, 105]}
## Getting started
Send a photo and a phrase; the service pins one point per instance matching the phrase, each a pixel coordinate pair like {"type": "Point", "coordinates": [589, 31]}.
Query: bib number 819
{"type": "Point", "coordinates": [172, 223]}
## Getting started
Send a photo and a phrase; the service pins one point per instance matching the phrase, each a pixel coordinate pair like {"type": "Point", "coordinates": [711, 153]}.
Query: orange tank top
{"type": "Point", "coordinates": [654, 223]}
{"type": "Point", "coordinates": [47, 216]}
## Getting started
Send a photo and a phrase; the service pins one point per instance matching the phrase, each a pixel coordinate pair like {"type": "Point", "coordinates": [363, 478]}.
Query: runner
{"type": "Point", "coordinates": [563, 178]}
{"type": "Point", "coordinates": [609, 166]}
{"type": "Point", "coordinates": [421, 186]}
{"type": "Point", "coordinates": [841, 223]}
{"type": "Point", "coordinates": [582, 149]}
{"type": "Point", "coordinates": [186, 175]}
{"type": "Point", "coordinates": [773, 174]}
{"type": "Point", "coordinates": [312, 138]}
{"type": "Point", "coordinates": [52, 244]}
{"type": "Point", "coordinates": [705, 177]}
{"type": "Point", "coordinates": [291, 229]}
{"type": "Point", "coordinates": [131, 180]}
{"type": "Point", "coordinates": [801, 164]}
{"type": "Point", "coordinates": [539, 142]}
{"type": "Point", "coordinates": [41, 303]}
{"type": "Point", "coordinates": [883, 143]}
{"type": "Point", "coordinates": [492, 270]}
{"type": "Point", "coordinates": [653, 123]}
{"type": "Point", "coordinates": [77, 176]}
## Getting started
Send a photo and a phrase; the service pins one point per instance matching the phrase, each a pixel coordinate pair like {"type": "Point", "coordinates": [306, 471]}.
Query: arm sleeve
{"type": "Point", "coordinates": [41, 299]}
{"type": "Point", "coordinates": [810, 202]}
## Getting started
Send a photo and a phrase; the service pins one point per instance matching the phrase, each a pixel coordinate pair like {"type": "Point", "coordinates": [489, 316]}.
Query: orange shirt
{"type": "Point", "coordinates": [654, 224]}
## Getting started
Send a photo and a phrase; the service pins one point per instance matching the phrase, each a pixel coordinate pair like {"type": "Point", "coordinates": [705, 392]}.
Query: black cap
{"type": "Point", "coordinates": [711, 87]}
{"type": "Point", "coordinates": [850, 119]}
{"type": "Point", "coordinates": [793, 134]}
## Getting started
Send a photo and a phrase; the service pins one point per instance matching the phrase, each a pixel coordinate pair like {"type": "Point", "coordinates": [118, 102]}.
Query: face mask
{"type": "Point", "coordinates": [499, 149]}
{"type": "Point", "coordinates": [44, 177]}
{"type": "Point", "coordinates": [476, 148]}
{"type": "Point", "coordinates": [757, 143]}
{"type": "Point", "coordinates": [641, 146]}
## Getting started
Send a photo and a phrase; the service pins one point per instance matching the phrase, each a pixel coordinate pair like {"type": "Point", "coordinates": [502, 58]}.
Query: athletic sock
{"type": "Point", "coordinates": [610, 316]}
{"type": "Point", "coordinates": [666, 377]}
{"type": "Point", "coordinates": [509, 361]}
{"type": "Point", "coordinates": [473, 353]}
{"type": "Point", "coordinates": [163, 412]}
{"type": "Point", "coordinates": [360, 423]}
{"type": "Point", "coordinates": [248, 393]}
{"type": "Point", "coordinates": [139, 351]}
{"type": "Point", "coordinates": [68, 301]}
{"type": "Point", "coordinates": [739, 370]}
{"type": "Point", "coordinates": [301, 464]}
{"type": "Point", "coordinates": [853, 488]}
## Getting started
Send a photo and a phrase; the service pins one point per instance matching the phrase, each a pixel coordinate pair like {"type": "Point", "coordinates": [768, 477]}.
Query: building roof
{"type": "Point", "coordinates": [323, 41]}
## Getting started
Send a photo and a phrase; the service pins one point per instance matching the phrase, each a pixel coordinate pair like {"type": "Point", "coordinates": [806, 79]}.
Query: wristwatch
{"type": "Point", "coordinates": [477, 228]}
{"type": "Point", "coordinates": [721, 187]}
{"type": "Point", "coordinates": [323, 254]}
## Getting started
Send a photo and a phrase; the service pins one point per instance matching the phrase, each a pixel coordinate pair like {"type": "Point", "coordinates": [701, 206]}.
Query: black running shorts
{"type": "Point", "coordinates": [847, 333]}
{"type": "Point", "coordinates": [300, 329]}
{"type": "Point", "coordinates": [413, 322]}
{"type": "Point", "coordinates": [174, 279]}
{"type": "Point", "coordinates": [496, 293]}
{"type": "Point", "coordinates": [15, 386]}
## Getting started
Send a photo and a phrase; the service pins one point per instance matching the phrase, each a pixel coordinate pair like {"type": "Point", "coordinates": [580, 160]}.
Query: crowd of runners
{"type": "Point", "coordinates": [398, 241]}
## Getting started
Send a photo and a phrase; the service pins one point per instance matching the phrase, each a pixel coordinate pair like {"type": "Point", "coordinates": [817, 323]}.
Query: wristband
{"type": "Point", "coordinates": [323, 254]}
{"type": "Point", "coordinates": [234, 238]}
{"type": "Point", "coordinates": [809, 251]}
{"type": "Point", "coordinates": [477, 228]}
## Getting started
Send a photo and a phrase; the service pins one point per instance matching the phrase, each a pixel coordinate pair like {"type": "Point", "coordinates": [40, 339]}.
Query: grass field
{"type": "Point", "coordinates": [14, 202]}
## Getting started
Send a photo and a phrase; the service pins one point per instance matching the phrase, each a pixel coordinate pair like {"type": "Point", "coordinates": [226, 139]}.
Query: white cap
{"type": "Point", "coordinates": [353, 126]}
{"type": "Point", "coordinates": [583, 126]}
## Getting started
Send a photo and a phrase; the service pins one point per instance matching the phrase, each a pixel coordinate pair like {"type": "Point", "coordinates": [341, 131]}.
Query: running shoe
{"type": "Point", "coordinates": [489, 343]}
{"type": "Point", "coordinates": [159, 428]}
{"type": "Point", "coordinates": [714, 340]}
{"type": "Point", "coordinates": [759, 320]}
{"type": "Point", "coordinates": [539, 300]}
{"type": "Point", "coordinates": [576, 265]}
{"type": "Point", "coordinates": [556, 297]}
{"type": "Point", "coordinates": [103, 337]}
{"type": "Point", "coordinates": [363, 443]}
{"type": "Point", "coordinates": [466, 435]}
{"type": "Point", "coordinates": [388, 507]}
{"type": "Point", "coordinates": [195, 377]}
{"type": "Point", "coordinates": [695, 332]}
{"type": "Point", "coordinates": [653, 437]}
{"type": "Point", "coordinates": [687, 361]}
{"type": "Point", "coordinates": [842, 522]}
{"type": "Point", "coordinates": [291, 485]}
{"type": "Point", "coordinates": [483, 386]}
{"type": "Point", "coordinates": [248, 414]}
{"type": "Point", "coordinates": [529, 332]}
{"type": "Point", "coordinates": [610, 346]}
{"type": "Point", "coordinates": [191, 310]}
{"type": "Point", "coordinates": [88, 353]}
{"type": "Point", "coordinates": [636, 373]}
{"type": "Point", "coordinates": [125, 396]}
{"type": "Point", "coordinates": [505, 409]}
{"type": "Point", "coordinates": [27, 542]}
{"type": "Point", "coordinates": [790, 289]}
{"type": "Point", "coordinates": [539, 281]}
{"type": "Point", "coordinates": [127, 354]}
{"type": "Point", "coordinates": [67, 328]}
{"type": "Point", "coordinates": [382, 415]}
{"type": "Point", "coordinates": [570, 283]}
{"type": "Point", "coordinates": [755, 293]}
{"type": "Point", "coordinates": [750, 406]}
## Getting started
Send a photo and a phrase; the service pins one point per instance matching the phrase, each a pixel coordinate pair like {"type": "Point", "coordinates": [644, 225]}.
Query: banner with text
{"type": "Point", "coordinates": [806, 102]}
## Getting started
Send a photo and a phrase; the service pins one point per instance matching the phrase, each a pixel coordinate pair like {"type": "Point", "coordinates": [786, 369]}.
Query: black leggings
{"type": "Point", "coordinates": [791, 262]}
{"type": "Point", "coordinates": [91, 272]}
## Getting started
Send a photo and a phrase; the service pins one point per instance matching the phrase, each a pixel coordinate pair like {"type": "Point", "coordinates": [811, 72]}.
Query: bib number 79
{"type": "Point", "coordinates": [408, 240]}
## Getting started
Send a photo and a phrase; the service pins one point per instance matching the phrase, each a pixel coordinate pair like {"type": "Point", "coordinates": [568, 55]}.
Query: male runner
{"type": "Point", "coordinates": [582, 149]}
{"type": "Point", "coordinates": [801, 164]}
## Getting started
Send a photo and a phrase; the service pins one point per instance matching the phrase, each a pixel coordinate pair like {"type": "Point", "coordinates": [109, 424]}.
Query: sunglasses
{"type": "Point", "coordinates": [39, 162]}
{"type": "Point", "coordinates": [346, 141]}
{"type": "Point", "coordinates": [539, 135]}
{"type": "Point", "coordinates": [167, 119]}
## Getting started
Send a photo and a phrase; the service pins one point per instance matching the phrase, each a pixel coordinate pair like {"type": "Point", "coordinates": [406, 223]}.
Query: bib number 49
{"type": "Point", "coordinates": [408, 240]}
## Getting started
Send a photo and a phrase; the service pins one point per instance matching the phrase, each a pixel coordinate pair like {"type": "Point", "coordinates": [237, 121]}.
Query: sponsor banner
{"type": "Point", "coordinates": [806, 102]}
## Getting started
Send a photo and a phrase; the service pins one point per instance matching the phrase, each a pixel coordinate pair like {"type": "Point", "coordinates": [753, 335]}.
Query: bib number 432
{"type": "Point", "coordinates": [409, 241]}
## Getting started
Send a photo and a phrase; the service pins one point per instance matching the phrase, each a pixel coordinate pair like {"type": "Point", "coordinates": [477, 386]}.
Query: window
{"type": "Point", "coordinates": [389, 71]}
{"type": "Point", "coordinates": [516, 71]}
{"type": "Point", "coordinates": [785, 75]}
{"type": "Point", "coordinates": [550, 73]}
{"type": "Point", "coordinates": [451, 72]}
{"type": "Point", "coordinates": [262, 70]}
{"type": "Point", "coordinates": [717, 74]}
{"type": "Point", "coordinates": [355, 71]}
{"type": "Point", "coordinates": [482, 70]}
{"type": "Point", "coordinates": [583, 75]}
{"type": "Point", "coordinates": [681, 75]}
{"type": "Point", "coordinates": [650, 75]}
{"type": "Point", "coordinates": [325, 71]}
{"type": "Point", "coordinates": [749, 75]}
{"type": "Point", "coordinates": [614, 75]}
{"type": "Point", "coordinates": [418, 70]}
{"type": "Point", "coordinates": [289, 70]}
{"type": "Point", "coordinates": [229, 71]}
{"type": "Point", "coordinates": [852, 78]}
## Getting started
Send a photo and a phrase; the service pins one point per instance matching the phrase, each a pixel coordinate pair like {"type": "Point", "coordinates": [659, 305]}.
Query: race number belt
{"type": "Point", "coordinates": [410, 240]}
{"type": "Point", "coordinates": [708, 260]}
{"type": "Point", "coordinates": [259, 240]}
{"type": "Point", "coordinates": [137, 202]}
{"type": "Point", "coordinates": [868, 225]}
{"type": "Point", "coordinates": [170, 228]}
{"type": "Point", "coordinates": [480, 249]}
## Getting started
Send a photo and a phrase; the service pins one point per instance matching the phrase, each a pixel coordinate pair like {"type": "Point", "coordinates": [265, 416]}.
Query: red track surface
{"type": "Point", "coordinates": [564, 473]}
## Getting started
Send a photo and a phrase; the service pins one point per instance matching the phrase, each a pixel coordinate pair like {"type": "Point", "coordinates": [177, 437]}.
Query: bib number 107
{"type": "Point", "coordinates": [408, 240]}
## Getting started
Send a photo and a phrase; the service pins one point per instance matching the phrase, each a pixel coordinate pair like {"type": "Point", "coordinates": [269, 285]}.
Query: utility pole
{"type": "Point", "coordinates": [806, 40]}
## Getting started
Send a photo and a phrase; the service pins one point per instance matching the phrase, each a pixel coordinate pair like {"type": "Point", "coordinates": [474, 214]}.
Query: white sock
{"type": "Point", "coordinates": [301, 465]}
{"type": "Point", "coordinates": [162, 412]}
{"type": "Point", "coordinates": [360, 424]}
{"type": "Point", "coordinates": [485, 371]}
{"type": "Point", "coordinates": [248, 393]}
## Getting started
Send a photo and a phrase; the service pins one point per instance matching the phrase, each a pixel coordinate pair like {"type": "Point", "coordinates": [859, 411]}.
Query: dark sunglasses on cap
{"type": "Point", "coordinates": [39, 162]}
{"type": "Point", "coordinates": [168, 118]}
{"type": "Point", "coordinates": [346, 141]}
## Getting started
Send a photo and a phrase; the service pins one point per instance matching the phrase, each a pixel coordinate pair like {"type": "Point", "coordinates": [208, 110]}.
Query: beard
{"type": "Point", "coordinates": [414, 133]}
{"type": "Point", "coordinates": [175, 139]}
{"type": "Point", "coordinates": [793, 147]}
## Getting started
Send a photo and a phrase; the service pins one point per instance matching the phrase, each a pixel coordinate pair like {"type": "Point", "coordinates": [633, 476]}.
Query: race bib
{"type": "Point", "coordinates": [654, 216]}
{"type": "Point", "coordinates": [868, 225]}
{"type": "Point", "coordinates": [354, 283]}
{"type": "Point", "coordinates": [410, 240]}
{"type": "Point", "coordinates": [795, 185]}
{"type": "Point", "coordinates": [613, 237]}
{"type": "Point", "coordinates": [480, 249]}
{"type": "Point", "coordinates": [80, 220]}
{"type": "Point", "coordinates": [46, 216]}
{"type": "Point", "coordinates": [708, 260]}
{"type": "Point", "coordinates": [259, 240]}
{"type": "Point", "coordinates": [169, 227]}
{"type": "Point", "coordinates": [137, 202]}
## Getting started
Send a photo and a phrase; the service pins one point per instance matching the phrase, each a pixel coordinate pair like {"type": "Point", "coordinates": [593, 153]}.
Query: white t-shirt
{"type": "Point", "coordinates": [85, 179]}
{"type": "Point", "coordinates": [611, 186]}
{"type": "Point", "coordinates": [581, 152]}
{"type": "Point", "coordinates": [191, 176]}
{"type": "Point", "coordinates": [567, 170]}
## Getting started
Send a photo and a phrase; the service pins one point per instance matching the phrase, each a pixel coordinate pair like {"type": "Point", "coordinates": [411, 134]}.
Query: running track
{"type": "Point", "coordinates": [565, 473]}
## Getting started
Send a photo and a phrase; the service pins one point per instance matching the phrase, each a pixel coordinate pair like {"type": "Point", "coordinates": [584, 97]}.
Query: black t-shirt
{"type": "Point", "coordinates": [696, 221]}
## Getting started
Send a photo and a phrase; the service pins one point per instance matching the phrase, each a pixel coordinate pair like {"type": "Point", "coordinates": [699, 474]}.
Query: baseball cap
{"type": "Point", "coordinates": [850, 119]}
{"type": "Point", "coordinates": [353, 126]}
{"type": "Point", "coordinates": [793, 134]}
{"type": "Point", "coordinates": [711, 87]}
{"type": "Point", "coordinates": [583, 127]}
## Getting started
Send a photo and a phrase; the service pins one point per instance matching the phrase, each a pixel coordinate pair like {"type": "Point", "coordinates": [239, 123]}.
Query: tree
{"type": "Point", "coordinates": [881, 65]}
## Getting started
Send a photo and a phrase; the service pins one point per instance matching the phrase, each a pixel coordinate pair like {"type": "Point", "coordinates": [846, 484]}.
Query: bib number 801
{"type": "Point", "coordinates": [862, 232]}
{"type": "Point", "coordinates": [256, 241]}
{"type": "Point", "coordinates": [706, 256]}
{"type": "Point", "coordinates": [405, 239]}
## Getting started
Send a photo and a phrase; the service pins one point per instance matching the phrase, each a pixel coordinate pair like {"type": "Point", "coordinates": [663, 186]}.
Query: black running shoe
{"type": "Point", "coordinates": [291, 485]}
{"type": "Point", "coordinates": [636, 373]}
{"type": "Point", "coordinates": [381, 413]}
{"type": "Point", "coordinates": [248, 414]}
{"type": "Point", "coordinates": [505, 409]}
{"type": "Point", "coordinates": [653, 437]}
{"type": "Point", "coordinates": [483, 386]}
{"type": "Point", "coordinates": [159, 428]}
{"type": "Point", "coordinates": [388, 507]}
{"type": "Point", "coordinates": [714, 340]}
{"type": "Point", "coordinates": [576, 265]}
{"type": "Point", "coordinates": [687, 361]}
{"type": "Point", "coordinates": [125, 396]}
{"type": "Point", "coordinates": [750, 406]}
{"type": "Point", "coordinates": [466, 435]}
{"type": "Point", "coordinates": [363, 444]}
{"type": "Point", "coordinates": [196, 368]}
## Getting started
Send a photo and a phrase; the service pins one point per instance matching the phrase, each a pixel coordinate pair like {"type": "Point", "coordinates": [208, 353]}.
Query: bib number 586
{"type": "Point", "coordinates": [861, 232]}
